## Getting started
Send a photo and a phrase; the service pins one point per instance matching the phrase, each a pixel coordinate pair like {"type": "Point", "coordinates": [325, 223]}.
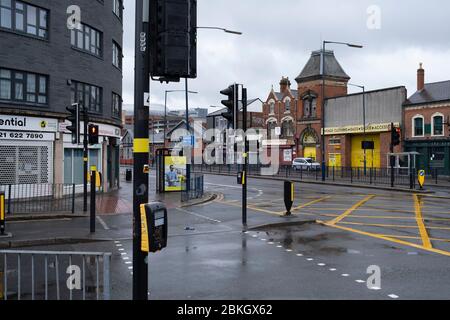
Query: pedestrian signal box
{"type": "Point", "coordinates": [154, 227]}
{"type": "Point", "coordinates": [289, 194]}
{"type": "Point", "coordinates": [241, 178]}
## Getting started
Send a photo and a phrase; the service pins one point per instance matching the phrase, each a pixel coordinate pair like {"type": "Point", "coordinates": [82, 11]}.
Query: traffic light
{"type": "Point", "coordinates": [173, 39]}
{"type": "Point", "coordinates": [396, 135]}
{"type": "Point", "coordinates": [93, 134]}
{"type": "Point", "coordinates": [74, 118]}
{"type": "Point", "coordinates": [231, 103]}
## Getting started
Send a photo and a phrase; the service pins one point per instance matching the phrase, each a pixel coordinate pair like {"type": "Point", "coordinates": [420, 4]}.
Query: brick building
{"type": "Point", "coordinates": [295, 117]}
{"type": "Point", "coordinates": [426, 116]}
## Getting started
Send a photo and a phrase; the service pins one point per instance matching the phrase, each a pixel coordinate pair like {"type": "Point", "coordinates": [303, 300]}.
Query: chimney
{"type": "Point", "coordinates": [420, 78]}
{"type": "Point", "coordinates": [284, 84]}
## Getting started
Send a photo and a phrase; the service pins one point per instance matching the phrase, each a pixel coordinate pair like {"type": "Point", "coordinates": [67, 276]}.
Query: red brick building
{"type": "Point", "coordinates": [298, 113]}
{"type": "Point", "coordinates": [294, 117]}
{"type": "Point", "coordinates": [426, 118]}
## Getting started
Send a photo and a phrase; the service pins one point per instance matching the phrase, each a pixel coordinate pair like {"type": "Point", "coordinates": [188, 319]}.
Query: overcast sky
{"type": "Point", "coordinates": [278, 37]}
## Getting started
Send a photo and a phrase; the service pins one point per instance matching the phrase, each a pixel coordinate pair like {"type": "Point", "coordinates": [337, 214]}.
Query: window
{"type": "Point", "coordinates": [118, 8]}
{"type": "Point", "coordinates": [310, 107]}
{"type": "Point", "coordinates": [271, 129]}
{"type": "Point", "coordinates": [87, 95]}
{"type": "Point", "coordinates": [116, 105]}
{"type": "Point", "coordinates": [418, 124]}
{"type": "Point", "coordinates": [438, 125]}
{"type": "Point", "coordinates": [287, 129]}
{"type": "Point", "coordinates": [117, 55]}
{"type": "Point", "coordinates": [87, 39]}
{"type": "Point", "coordinates": [23, 87]}
{"type": "Point", "coordinates": [271, 107]}
{"type": "Point", "coordinates": [288, 105]}
{"type": "Point", "coordinates": [24, 18]}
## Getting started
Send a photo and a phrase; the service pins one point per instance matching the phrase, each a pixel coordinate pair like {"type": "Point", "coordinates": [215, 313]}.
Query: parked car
{"type": "Point", "coordinates": [305, 164]}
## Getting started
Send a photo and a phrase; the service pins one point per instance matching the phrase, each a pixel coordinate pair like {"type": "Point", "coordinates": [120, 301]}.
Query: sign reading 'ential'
{"type": "Point", "coordinates": [17, 123]}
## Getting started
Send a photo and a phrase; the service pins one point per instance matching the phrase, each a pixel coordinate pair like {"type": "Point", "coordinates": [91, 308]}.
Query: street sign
{"type": "Point", "coordinates": [189, 141]}
{"type": "Point", "coordinates": [421, 178]}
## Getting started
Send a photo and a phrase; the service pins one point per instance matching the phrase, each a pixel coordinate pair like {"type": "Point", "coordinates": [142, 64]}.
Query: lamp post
{"type": "Point", "coordinates": [223, 29]}
{"type": "Point", "coordinates": [322, 73]}
{"type": "Point", "coordinates": [165, 108]}
{"type": "Point", "coordinates": [364, 122]}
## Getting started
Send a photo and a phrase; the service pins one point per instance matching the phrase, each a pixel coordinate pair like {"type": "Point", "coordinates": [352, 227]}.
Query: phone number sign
{"type": "Point", "coordinates": [22, 135]}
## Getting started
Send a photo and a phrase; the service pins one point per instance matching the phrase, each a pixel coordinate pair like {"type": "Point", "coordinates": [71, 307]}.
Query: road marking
{"type": "Point", "coordinates": [392, 225]}
{"type": "Point", "coordinates": [288, 250]}
{"type": "Point", "coordinates": [198, 215]}
{"type": "Point", "coordinates": [125, 258]}
{"type": "Point", "coordinates": [360, 281]}
{"type": "Point", "coordinates": [321, 264]}
{"type": "Point", "coordinates": [279, 246]}
{"type": "Point", "coordinates": [374, 288]}
{"type": "Point", "coordinates": [103, 223]}
{"type": "Point", "coordinates": [345, 275]}
{"type": "Point", "coordinates": [39, 220]}
{"type": "Point", "coordinates": [393, 296]}
{"type": "Point", "coordinates": [377, 236]}
{"type": "Point", "coordinates": [299, 255]}
{"type": "Point", "coordinates": [128, 262]}
{"type": "Point", "coordinates": [332, 269]}
{"type": "Point", "coordinates": [349, 211]}
{"type": "Point", "coordinates": [310, 203]}
{"type": "Point", "coordinates": [423, 231]}
{"type": "Point", "coordinates": [414, 238]}
{"type": "Point", "coordinates": [310, 259]}
{"type": "Point", "coordinates": [119, 245]}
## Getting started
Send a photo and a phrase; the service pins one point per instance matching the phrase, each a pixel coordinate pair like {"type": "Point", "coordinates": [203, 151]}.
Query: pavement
{"type": "Point", "coordinates": [327, 249]}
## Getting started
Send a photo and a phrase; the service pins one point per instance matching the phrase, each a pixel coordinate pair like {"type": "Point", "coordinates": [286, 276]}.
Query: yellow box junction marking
{"type": "Point", "coordinates": [141, 146]}
{"type": "Point", "coordinates": [349, 211]}
{"type": "Point", "coordinates": [378, 236]}
{"type": "Point", "coordinates": [311, 203]}
{"type": "Point", "coordinates": [419, 219]}
{"type": "Point", "coordinates": [144, 230]}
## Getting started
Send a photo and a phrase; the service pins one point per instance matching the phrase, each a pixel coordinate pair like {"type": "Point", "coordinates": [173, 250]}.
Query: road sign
{"type": "Point", "coordinates": [421, 178]}
{"type": "Point", "coordinates": [189, 141]}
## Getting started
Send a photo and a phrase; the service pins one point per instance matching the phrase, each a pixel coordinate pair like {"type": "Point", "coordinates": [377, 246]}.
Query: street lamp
{"type": "Point", "coordinates": [223, 29]}
{"type": "Point", "coordinates": [165, 108]}
{"type": "Point", "coordinates": [364, 122]}
{"type": "Point", "coordinates": [322, 73]}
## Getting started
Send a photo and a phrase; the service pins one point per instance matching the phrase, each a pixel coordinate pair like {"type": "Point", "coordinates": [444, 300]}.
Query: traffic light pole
{"type": "Point", "coordinates": [85, 158]}
{"type": "Point", "coordinates": [246, 155]}
{"type": "Point", "coordinates": [391, 159]}
{"type": "Point", "coordinates": [141, 146]}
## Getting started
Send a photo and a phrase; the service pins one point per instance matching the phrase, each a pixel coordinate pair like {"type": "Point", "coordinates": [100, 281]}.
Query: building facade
{"type": "Point", "coordinates": [426, 116]}
{"type": "Point", "coordinates": [295, 121]}
{"type": "Point", "coordinates": [46, 65]}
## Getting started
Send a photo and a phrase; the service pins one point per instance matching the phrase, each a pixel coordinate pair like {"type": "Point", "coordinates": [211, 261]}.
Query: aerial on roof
{"type": "Point", "coordinates": [312, 69]}
{"type": "Point", "coordinates": [432, 92]}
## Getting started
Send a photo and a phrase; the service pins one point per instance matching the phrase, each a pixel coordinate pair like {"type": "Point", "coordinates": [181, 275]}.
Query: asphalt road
{"type": "Point", "coordinates": [339, 233]}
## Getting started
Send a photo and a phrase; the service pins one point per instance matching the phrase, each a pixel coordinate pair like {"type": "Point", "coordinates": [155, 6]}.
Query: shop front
{"type": "Point", "coordinates": [27, 147]}
{"type": "Point", "coordinates": [433, 155]}
{"type": "Point", "coordinates": [104, 156]}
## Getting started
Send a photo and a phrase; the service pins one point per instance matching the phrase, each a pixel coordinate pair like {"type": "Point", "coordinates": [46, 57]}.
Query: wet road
{"type": "Point", "coordinates": [343, 233]}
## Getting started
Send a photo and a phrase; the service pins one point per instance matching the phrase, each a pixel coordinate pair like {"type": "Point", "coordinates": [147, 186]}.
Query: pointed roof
{"type": "Point", "coordinates": [312, 70]}
{"type": "Point", "coordinates": [432, 92]}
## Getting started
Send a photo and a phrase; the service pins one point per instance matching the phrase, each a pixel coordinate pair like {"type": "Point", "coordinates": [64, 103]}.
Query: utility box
{"type": "Point", "coordinates": [154, 227]}
{"type": "Point", "coordinates": [129, 175]}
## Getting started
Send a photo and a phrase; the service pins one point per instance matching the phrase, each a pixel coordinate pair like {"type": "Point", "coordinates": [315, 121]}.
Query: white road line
{"type": "Point", "coordinates": [310, 259]}
{"type": "Point", "coordinates": [198, 215]}
{"type": "Point", "coordinates": [393, 296]}
{"type": "Point", "coordinates": [299, 255]}
{"type": "Point", "coordinates": [128, 262]}
{"type": "Point", "coordinates": [123, 253]}
{"type": "Point", "coordinates": [288, 250]}
{"type": "Point", "coordinates": [103, 223]}
{"type": "Point", "coordinates": [263, 239]}
{"type": "Point", "coordinates": [360, 281]}
{"type": "Point", "coordinates": [125, 258]}
{"type": "Point", "coordinates": [270, 243]}
{"type": "Point", "coordinates": [119, 245]}
{"type": "Point", "coordinates": [333, 269]}
{"type": "Point", "coordinates": [374, 288]}
{"type": "Point", "coordinates": [321, 264]}
{"type": "Point", "coordinates": [121, 249]}
{"type": "Point", "coordinates": [345, 275]}
{"type": "Point", "coordinates": [279, 246]}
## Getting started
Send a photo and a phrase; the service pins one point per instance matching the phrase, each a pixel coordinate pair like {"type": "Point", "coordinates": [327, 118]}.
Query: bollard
{"type": "Point", "coordinates": [289, 190]}
{"type": "Point", "coordinates": [2, 213]}
{"type": "Point", "coordinates": [93, 191]}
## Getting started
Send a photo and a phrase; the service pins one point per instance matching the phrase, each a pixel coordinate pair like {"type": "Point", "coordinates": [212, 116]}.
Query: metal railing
{"type": "Point", "coordinates": [47, 275]}
{"type": "Point", "coordinates": [346, 175]}
{"type": "Point", "coordinates": [196, 188]}
{"type": "Point", "coordinates": [39, 198]}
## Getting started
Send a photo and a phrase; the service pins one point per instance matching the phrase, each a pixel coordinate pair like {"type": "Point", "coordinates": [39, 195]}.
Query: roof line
{"type": "Point", "coordinates": [371, 91]}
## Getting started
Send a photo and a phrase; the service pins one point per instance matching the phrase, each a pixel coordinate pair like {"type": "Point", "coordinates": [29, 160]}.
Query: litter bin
{"type": "Point", "coordinates": [129, 175]}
